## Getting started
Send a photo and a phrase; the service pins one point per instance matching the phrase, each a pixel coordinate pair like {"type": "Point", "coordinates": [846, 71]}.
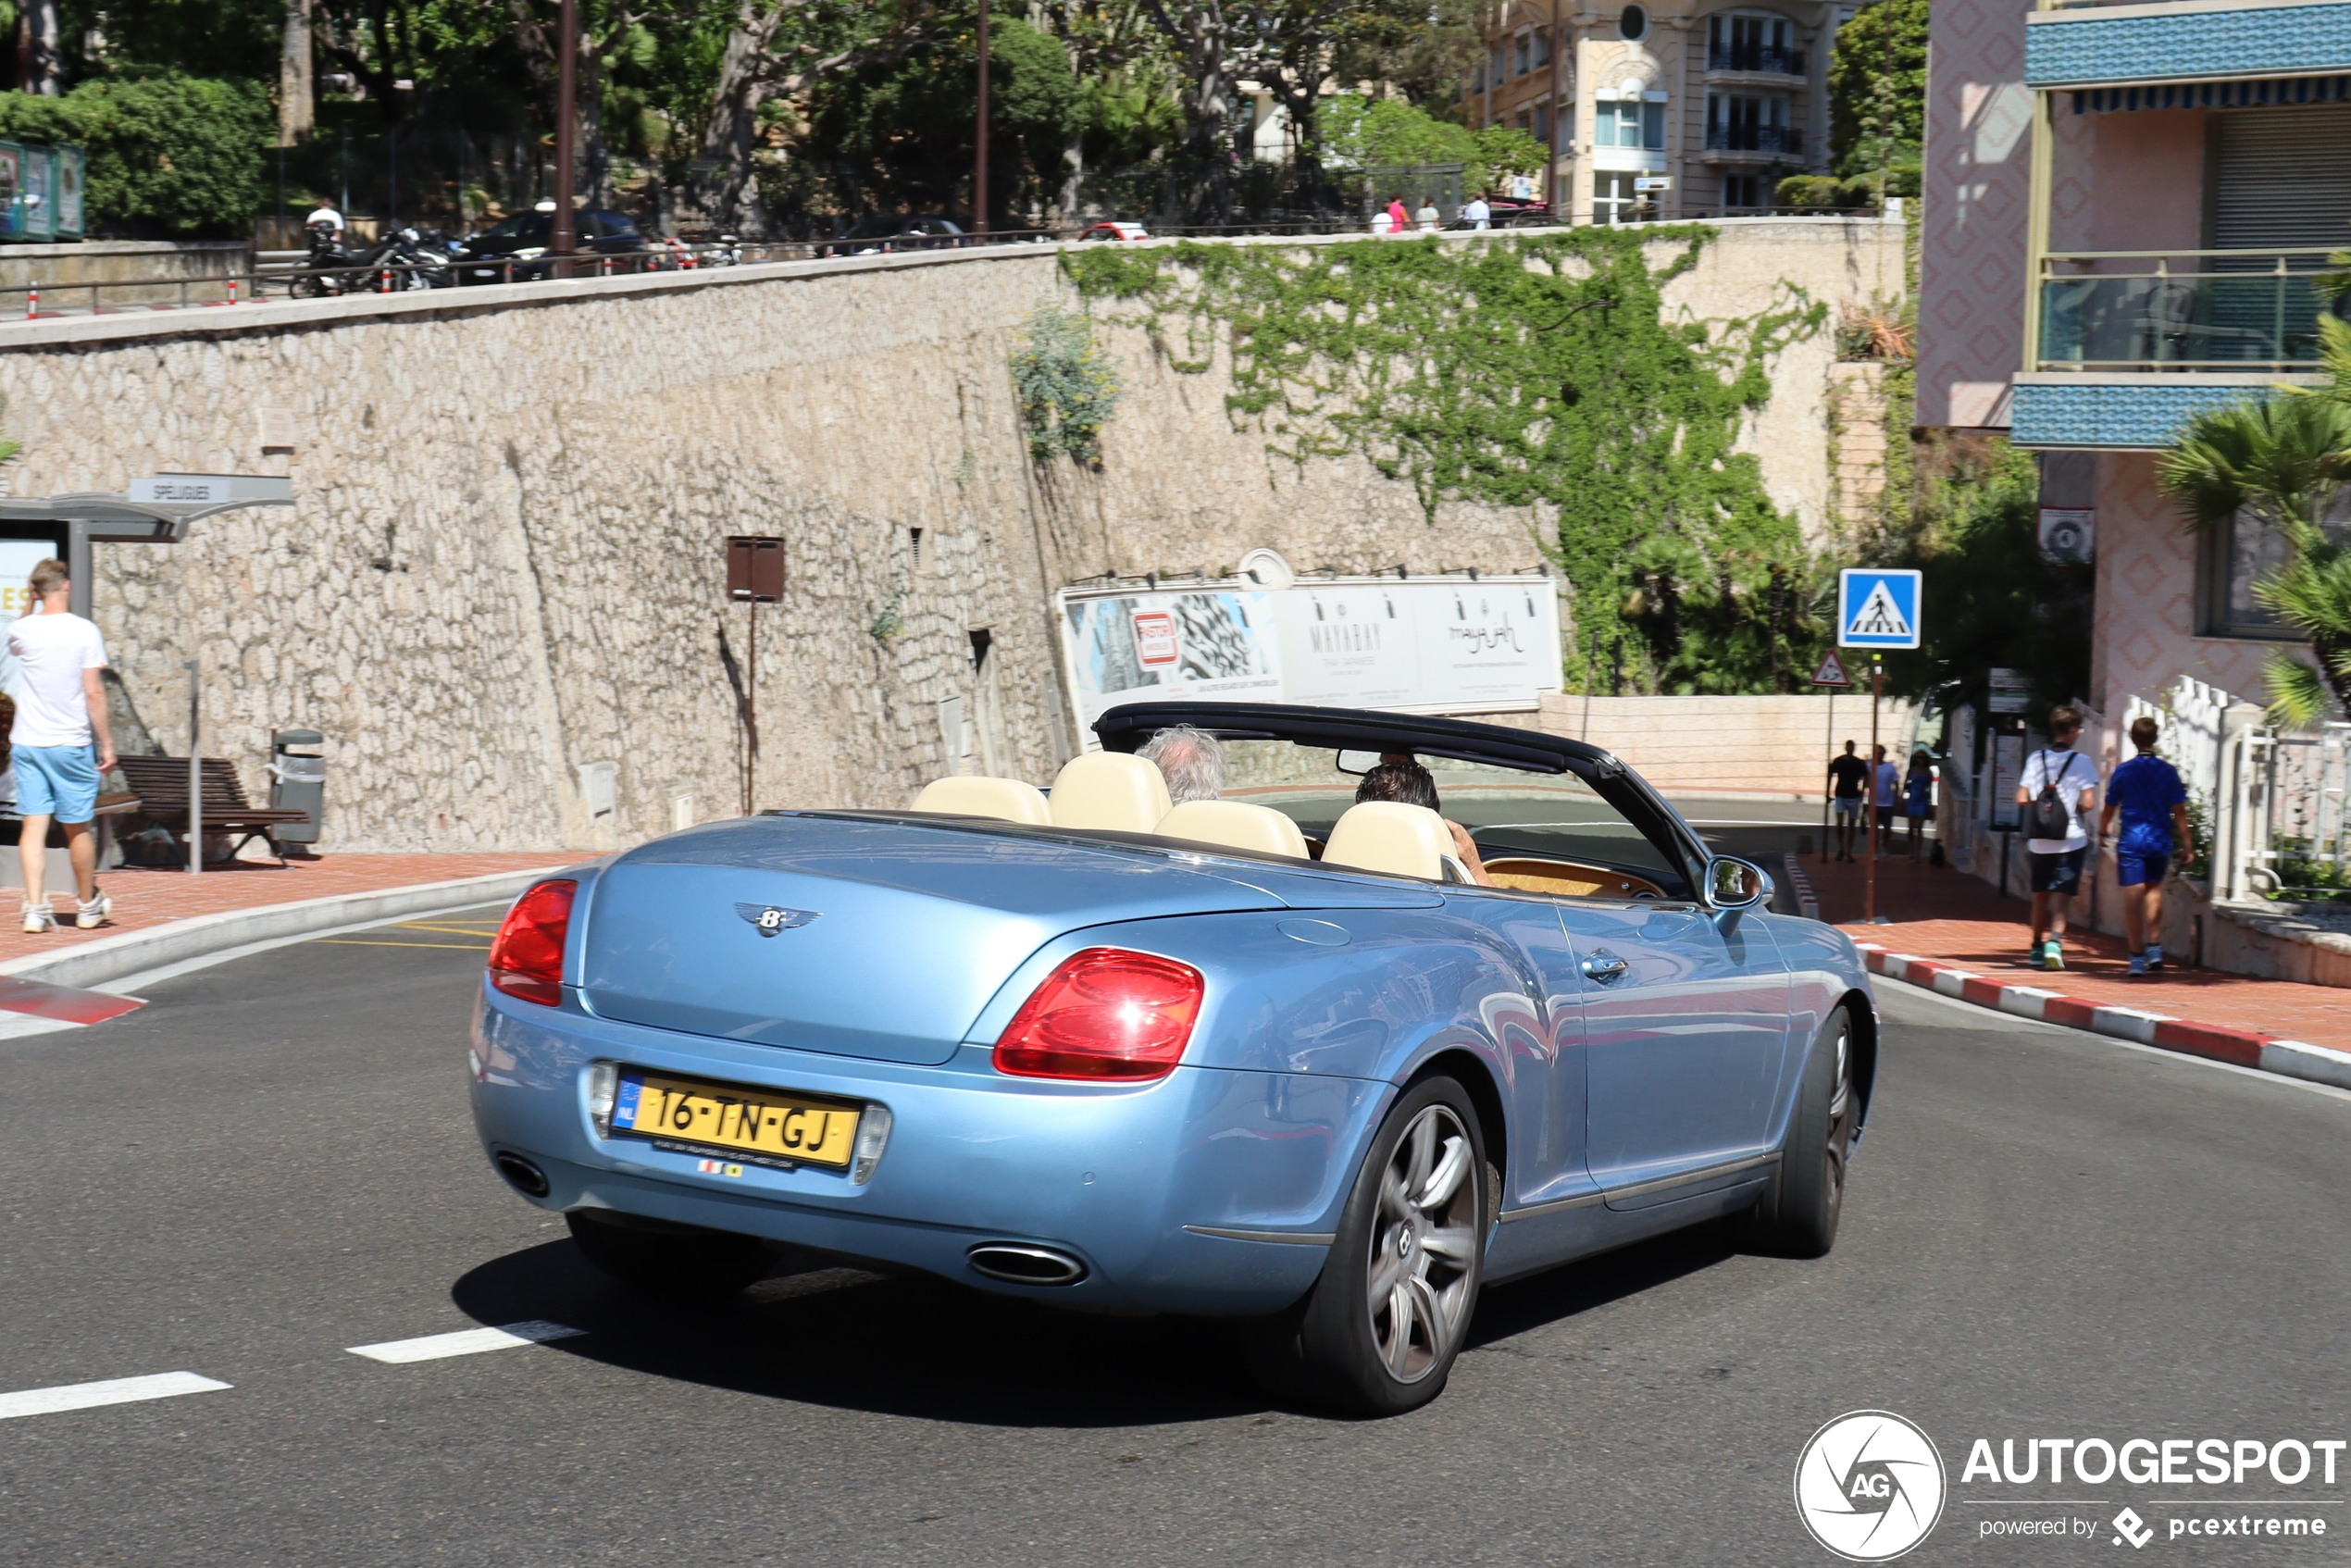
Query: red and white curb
{"type": "Point", "coordinates": [2242, 1048]}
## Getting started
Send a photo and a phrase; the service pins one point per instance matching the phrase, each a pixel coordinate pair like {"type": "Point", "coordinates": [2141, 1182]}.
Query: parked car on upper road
{"type": "Point", "coordinates": [885, 232]}
{"type": "Point", "coordinates": [1275, 1057]}
{"type": "Point", "coordinates": [520, 244]}
{"type": "Point", "coordinates": [1114, 229]}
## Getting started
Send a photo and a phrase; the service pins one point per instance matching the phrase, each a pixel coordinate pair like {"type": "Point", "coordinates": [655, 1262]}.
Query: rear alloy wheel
{"type": "Point", "coordinates": [1378, 1333]}
{"type": "Point", "coordinates": [1797, 1214]}
{"type": "Point", "coordinates": [679, 1261]}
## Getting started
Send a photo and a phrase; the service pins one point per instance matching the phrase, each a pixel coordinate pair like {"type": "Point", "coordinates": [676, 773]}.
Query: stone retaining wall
{"type": "Point", "coordinates": [505, 562]}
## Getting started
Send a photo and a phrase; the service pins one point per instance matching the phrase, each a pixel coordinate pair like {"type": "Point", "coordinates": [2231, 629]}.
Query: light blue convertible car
{"type": "Point", "coordinates": [1278, 1056]}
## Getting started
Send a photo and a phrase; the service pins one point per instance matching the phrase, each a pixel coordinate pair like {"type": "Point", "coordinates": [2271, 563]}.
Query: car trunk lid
{"type": "Point", "coordinates": [888, 938]}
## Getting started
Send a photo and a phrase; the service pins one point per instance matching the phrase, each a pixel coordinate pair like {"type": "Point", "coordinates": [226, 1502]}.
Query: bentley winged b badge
{"type": "Point", "coordinates": [770, 920]}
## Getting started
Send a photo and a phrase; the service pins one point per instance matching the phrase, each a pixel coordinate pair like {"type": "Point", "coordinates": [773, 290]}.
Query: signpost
{"type": "Point", "coordinates": [754, 577]}
{"type": "Point", "coordinates": [1877, 608]}
{"type": "Point", "coordinates": [1832, 676]}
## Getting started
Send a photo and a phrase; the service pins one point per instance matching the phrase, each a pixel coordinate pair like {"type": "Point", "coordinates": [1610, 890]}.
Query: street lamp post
{"type": "Point", "coordinates": [565, 240]}
{"type": "Point", "coordinates": [980, 159]}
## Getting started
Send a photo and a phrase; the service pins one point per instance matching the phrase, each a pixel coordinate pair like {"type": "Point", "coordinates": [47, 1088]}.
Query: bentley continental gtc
{"type": "Point", "coordinates": [1282, 1057]}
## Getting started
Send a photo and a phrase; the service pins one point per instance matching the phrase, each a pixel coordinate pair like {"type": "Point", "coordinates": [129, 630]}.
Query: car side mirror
{"type": "Point", "coordinates": [1735, 886]}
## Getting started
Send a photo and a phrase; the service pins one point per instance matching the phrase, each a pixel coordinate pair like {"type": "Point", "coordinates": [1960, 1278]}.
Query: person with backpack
{"type": "Point", "coordinates": [2057, 791]}
{"type": "Point", "coordinates": [2153, 803]}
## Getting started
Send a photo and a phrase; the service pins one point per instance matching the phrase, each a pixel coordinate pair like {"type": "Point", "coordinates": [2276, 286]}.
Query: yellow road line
{"type": "Point", "coordinates": [453, 947]}
{"type": "Point", "coordinates": [453, 930]}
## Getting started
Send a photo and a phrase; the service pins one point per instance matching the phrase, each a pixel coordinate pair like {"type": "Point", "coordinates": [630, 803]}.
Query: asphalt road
{"type": "Point", "coordinates": [2048, 1234]}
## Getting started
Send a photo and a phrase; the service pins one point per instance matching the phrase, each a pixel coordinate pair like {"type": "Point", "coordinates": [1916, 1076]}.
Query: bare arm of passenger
{"type": "Point", "coordinates": [1465, 851]}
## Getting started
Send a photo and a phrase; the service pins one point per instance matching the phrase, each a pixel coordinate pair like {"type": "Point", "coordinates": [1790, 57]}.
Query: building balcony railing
{"type": "Point", "coordinates": [1754, 138]}
{"type": "Point", "coordinates": [2183, 311]}
{"type": "Point", "coordinates": [1759, 57]}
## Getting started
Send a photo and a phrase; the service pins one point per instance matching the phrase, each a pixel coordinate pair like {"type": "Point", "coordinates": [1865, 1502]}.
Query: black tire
{"type": "Point", "coordinates": [679, 1261]}
{"type": "Point", "coordinates": [1344, 1349]}
{"type": "Point", "coordinates": [1797, 1214]}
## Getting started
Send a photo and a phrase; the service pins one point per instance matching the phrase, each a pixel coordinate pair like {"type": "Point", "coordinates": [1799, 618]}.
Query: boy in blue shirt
{"type": "Point", "coordinates": [2148, 794]}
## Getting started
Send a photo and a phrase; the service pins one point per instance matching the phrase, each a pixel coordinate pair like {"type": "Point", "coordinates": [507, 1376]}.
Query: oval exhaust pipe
{"type": "Point", "coordinates": [522, 1174]}
{"type": "Point", "coordinates": [1017, 1263]}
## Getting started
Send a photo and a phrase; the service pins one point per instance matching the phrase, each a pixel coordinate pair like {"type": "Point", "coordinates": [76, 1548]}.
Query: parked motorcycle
{"type": "Point", "coordinates": [404, 259]}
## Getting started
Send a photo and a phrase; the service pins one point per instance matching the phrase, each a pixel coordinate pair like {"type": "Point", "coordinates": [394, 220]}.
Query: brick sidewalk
{"type": "Point", "coordinates": [1954, 918]}
{"type": "Point", "coordinates": [146, 899]}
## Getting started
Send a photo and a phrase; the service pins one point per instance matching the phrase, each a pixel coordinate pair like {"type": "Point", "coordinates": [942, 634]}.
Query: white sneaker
{"type": "Point", "coordinates": [38, 921]}
{"type": "Point", "coordinates": [93, 912]}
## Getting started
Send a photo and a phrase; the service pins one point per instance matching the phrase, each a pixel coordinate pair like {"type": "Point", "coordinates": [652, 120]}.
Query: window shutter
{"type": "Point", "coordinates": [2276, 190]}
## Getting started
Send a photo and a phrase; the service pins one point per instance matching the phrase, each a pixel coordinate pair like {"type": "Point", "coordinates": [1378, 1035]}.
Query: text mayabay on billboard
{"type": "Point", "coordinates": [1443, 645]}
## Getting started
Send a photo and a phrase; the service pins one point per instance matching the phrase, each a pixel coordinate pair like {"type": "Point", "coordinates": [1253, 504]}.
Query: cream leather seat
{"type": "Point", "coordinates": [1007, 799]}
{"type": "Point", "coordinates": [1109, 790]}
{"type": "Point", "coordinates": [1235, 824]}
{"type": "Point", "coordinates": [1405, 841]}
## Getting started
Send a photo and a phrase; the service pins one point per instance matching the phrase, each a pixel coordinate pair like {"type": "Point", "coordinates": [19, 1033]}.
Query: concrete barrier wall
{"type": "Point", "coordinates": [1775, 748]}
{"type": "Point", "coordinates": [58, 267]}
{"type": "Point", "coordinates": [504, 567]}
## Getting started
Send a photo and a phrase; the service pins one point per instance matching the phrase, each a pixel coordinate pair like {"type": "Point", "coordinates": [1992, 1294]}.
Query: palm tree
{"type": "Point", "coordinates": [2285, 462]}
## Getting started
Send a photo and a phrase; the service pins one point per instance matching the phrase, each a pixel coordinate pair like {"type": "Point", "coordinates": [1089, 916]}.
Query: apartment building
{"type": "Point", "coordinates": [1663, 110]}
{"type": "Point", "coordinates": [2124, 210]}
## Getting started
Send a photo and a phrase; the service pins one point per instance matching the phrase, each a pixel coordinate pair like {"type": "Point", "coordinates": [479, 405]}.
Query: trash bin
{"type": "Point", "coordinates": [297, 782]}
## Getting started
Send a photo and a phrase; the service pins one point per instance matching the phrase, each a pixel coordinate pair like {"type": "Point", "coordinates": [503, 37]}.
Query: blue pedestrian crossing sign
{"type": "Point", "coordinates": [1877, 608]}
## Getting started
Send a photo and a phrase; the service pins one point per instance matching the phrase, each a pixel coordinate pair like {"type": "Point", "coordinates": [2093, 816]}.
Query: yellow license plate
{"type": "Point", "coordinates": [779, 1126]}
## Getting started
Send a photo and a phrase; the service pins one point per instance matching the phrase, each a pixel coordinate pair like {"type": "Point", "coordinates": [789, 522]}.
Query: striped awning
{"type": "Point", "coordinates": [2273, 93]}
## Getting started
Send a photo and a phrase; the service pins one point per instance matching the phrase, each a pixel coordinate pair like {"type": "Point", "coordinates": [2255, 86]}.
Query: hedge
{"type": "Point", "coordinates": [170, 154]}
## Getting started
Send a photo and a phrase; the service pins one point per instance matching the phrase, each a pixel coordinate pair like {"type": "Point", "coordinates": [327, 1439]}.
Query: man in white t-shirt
{"type": "Point", "coordinates": [1477, 214]}
{"type": "Point", "coordinates": [2057, 861]}
{"type": "Point", "coordinates": [326, 214]}
{"type": "Point", "coordinates": [61, 709]}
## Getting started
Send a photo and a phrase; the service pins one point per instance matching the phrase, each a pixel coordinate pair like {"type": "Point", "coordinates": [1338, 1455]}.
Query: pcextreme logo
{"type": "Point", "coordinates": [1870, 1485]}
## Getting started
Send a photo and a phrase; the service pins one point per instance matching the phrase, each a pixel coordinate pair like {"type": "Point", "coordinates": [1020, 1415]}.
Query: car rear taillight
{"type": "Point", "coordinates": [526, 960]}
{"type": "Point", "coordinates": [1104, 1014]}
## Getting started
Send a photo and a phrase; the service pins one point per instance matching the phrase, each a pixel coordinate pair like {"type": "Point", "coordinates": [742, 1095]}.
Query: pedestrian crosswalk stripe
{"type": "Point", "coordinates": [465, 1342]}
{"type": "Point", "coordinates": [114, 1391]}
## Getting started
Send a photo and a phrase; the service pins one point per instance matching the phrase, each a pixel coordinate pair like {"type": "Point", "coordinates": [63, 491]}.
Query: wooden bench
{"type": "Point", "coordinates": [161, 784]}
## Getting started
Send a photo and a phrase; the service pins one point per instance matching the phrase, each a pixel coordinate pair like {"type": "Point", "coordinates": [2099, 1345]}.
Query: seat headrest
{"type": "Point", "coordinates": [1405, 841]}
{"type": "Point", "coordinates": [1007, 799]}
{"type": "Point", "coordinates": [1109, 790]}
{"type": "Point", "coordinates": [1235, 824]}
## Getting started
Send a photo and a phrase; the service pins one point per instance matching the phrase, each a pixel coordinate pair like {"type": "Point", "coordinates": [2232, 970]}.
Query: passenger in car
{"type": "Point", "coordinates": [1401, 778]}
{"type": "Point", "coordinates": [1192, 761]}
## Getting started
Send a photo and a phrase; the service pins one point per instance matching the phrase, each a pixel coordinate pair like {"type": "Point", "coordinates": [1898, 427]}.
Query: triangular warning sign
{"type": "Point", "coordinates": [1879, 616]}
{"type": "Point", "coordinates": [1832, 671]}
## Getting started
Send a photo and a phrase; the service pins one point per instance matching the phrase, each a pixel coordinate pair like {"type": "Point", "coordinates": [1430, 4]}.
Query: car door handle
{"type": "Point", "coordinates": [1605, 966]}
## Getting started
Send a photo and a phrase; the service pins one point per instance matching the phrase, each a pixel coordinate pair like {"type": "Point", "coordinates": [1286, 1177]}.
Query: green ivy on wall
{"type": "Point", "coordinates": [1541, 371]}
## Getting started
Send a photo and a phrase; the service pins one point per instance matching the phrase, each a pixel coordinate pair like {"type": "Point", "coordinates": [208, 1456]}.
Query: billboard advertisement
{"type": "Point", "coordinates": [1427, 645]}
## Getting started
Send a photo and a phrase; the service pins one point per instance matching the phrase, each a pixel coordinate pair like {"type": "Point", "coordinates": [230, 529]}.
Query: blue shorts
{"type": "Point", "coordinates": [2132, 869]}
{"type": "Point", "coordinates": [59, 781]}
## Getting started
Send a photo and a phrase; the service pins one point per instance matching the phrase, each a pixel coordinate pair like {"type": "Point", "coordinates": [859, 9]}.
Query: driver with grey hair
{"type": "Point", "coordinates": [1191, 760]}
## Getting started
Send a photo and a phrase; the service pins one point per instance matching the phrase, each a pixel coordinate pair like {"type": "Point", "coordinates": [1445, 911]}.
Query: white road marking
{"type": "Point", "coordinates": [115, 1391]}
{"type": "Point", "coordinates": [465, 1342]}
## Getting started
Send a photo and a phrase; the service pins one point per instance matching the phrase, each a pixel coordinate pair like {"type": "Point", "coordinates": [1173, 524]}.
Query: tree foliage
{"type": "Point", "coordinates": [1362, 132]}
{"type": "Point", "coordinates": [2283, 462]}
{"type": "Point", "coordinates": [1877, 88]}
{"type": "Point", "coordinates": [1993, 600]}
{"type": "Point", "coordinates": [167, 154]}
{"type": "Point", "coordinates": [899, 135]}
{"type": "Point", "coordinates": [1536, 371]}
